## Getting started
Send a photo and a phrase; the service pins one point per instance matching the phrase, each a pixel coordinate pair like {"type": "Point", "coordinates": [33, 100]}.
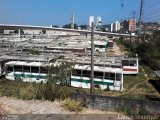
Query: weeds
{"type": "Point", "coordinates": [72, 105]}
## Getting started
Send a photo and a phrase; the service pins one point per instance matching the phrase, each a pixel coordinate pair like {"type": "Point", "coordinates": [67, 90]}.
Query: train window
{"type": "Point", "coordinates": [125, 62]}
{"type": "Point", "coordinates": [26, 69]}
{"type": "Point", "coordinates": [112, 76]}
{"type": "Point", "coordinates": [86, 73]}
{"type": "Point", "coordinates": [9, 69]}
{"type": "Point", "coordinates": [98, 75]}
{"type": "Point", "coordinates": [101, 46]}
{"type": "Point", "coordinates": [76, 72]}
{"type": "Point", "coordinates": [133, 63]}
{"type": "Point", "coordinates": [107, 75]}
{"type": "Point", "coordinates": [18, 68]}
{"type": "Point", "coordinates": [118, 76]}
{"type": "Point", "coordinates": [35, 69]}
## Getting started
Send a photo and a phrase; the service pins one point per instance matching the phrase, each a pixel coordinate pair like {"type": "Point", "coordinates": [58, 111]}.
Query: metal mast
{"type": "Point", "coordinates": [92, 59]}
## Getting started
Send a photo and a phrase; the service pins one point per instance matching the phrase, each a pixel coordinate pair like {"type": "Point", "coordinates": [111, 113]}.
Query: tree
{"type": "Point", "coordinates": [60, 72]}
{"type": "Point", "coordinates": [44, 31]}
{"type": "Point", "coordinates": [103, 29]}
{"type": "Point", "coordinates": [1, 30]}
{"type": "Point", "coordinates": [68, 26]}
{"type": "Point", "coordinates": [149, 50]}
{"type": "Point", "coordinates": [55, 26]}
{"type": "Point", "coordinates": [83, 27]}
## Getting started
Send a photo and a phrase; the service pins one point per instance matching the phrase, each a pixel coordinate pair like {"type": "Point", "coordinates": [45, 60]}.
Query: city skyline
{"type": "Point", "coordinates": [58, 12]}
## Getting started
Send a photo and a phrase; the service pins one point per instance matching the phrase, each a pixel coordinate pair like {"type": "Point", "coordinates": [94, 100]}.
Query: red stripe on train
{"type": "Point", "coordinates": [129, 69]}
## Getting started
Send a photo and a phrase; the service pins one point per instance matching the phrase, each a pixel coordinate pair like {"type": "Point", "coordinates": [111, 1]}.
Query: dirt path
{"type": "Point", "coordinates": [16, 106]}
{"type": "Point", "coordinates": [34, 107]}
{"type": "Point", "coordinates": [115, 50]}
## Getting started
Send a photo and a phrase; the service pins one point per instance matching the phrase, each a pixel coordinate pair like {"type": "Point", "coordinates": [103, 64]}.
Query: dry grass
{"type": "Point", "coordinates": [72, 105]}
{"type": "Point", "coordinates": [2, 110]}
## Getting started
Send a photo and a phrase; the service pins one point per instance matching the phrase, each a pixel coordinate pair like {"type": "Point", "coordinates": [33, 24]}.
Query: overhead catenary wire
{"type": "Point", "coordinates": [152, 5]}
{"type": "Point", "coordinates": [152, 16]}
{"type": "Point", "coordinates": [151, 11]}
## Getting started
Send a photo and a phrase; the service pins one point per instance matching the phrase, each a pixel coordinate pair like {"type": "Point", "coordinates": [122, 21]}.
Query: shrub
{"type": "Point", "coordinates": [72, 105]}
{"type": "Point", "coordinates": [28, 92]}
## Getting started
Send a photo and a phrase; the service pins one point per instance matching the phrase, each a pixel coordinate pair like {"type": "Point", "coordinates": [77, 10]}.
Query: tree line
{"type": "Point", "coordinates": [148, 50]}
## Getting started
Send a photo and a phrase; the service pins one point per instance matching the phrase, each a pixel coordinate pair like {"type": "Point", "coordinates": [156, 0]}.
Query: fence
{"type": "Point", "coordinates": [114, 103]}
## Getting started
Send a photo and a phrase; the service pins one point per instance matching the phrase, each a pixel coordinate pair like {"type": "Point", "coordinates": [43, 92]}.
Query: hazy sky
{"type": "Point", "coordinates": [58, 12]}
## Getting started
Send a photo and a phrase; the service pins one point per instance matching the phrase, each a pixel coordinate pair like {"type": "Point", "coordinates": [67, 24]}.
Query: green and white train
{"type": "Point", "coordinates": [26, 71]}
{"type": "Point", "coordinates": [104, 77]}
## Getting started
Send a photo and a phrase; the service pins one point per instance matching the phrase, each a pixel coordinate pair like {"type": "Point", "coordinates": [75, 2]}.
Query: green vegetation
{"type": "Point", "coordinates": [44, 31]}
{"type": "Point", "coordinates": [50, 91]}
{"type": "Point", "coordinates": [28, 91]}
{"type": "Point", "coordinates": [149, 54]}
{"type": "Point", "coordinates": [141, 114]}
{"type": "Point", "coordinates": [72, 105]}
{"type": "Point", "coordinates": [68, 26]}
{"type": "Point", "coordinates": [148, 50]}
{"type": "Point", "coordinates": [34, 52]}
{"type": "Point", "coordinates": [136, 86]}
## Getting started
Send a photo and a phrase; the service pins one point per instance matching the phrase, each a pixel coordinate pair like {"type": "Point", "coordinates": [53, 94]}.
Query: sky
{"type": "Point", "coordinates": [58, 12]}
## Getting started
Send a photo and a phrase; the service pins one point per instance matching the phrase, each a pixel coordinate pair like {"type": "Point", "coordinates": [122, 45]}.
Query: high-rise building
{"type": "Point", "coordinates": [111, 27]}
{"type": "Point", "coordinates": [117, 26]}
{"type": "Point", "coordinates": [126, 26]}
{"type": "Point", "coordinates": [99, 21]}
{"type": "Point", "coordinates": [132, 25]}
{"type": "Point", "coordinates": [72, 21]}
{"type": "Point", "coordinates": [91, 19]}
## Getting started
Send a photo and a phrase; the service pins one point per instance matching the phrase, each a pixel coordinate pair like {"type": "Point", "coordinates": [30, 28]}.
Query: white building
{"type": "Point", "coordinates": [91, 19]}
{"type": "Point", "coordinates": [111, 27]}
{"type": "Point", "coordinates": [99, 21]}
{"type": "Point", "coordinates": [117, 26]}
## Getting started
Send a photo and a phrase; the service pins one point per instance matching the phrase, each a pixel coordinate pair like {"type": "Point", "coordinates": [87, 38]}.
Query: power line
{"type": "Point", "coordinates": [151, 13]}
{"type": "Point", "coordinates": [153, 5]}
{"type": "Point", "coordinates": [152, 16]}
{"type": "Point", "coordinates": [152, 10]}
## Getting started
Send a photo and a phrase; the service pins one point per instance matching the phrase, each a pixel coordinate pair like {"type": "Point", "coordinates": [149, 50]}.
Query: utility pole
{"type": "Point", "coordinates": [140, 17]}
{"type": "Point", "coordinates": [144, 37]}
{"type": "Point", "coordinates": [122, 23]}
{"type": "Point", "coordinates": [92, 59]}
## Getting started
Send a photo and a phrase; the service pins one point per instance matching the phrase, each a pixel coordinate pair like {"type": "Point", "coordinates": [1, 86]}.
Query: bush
{"type": "Point", "coordinates": [27, 93]}
{"type": "Point", "coordinates": [72, 105]}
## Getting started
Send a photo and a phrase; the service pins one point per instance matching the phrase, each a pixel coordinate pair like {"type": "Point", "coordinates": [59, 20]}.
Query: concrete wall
{"type": "Point", "coordinates": [113, 103]}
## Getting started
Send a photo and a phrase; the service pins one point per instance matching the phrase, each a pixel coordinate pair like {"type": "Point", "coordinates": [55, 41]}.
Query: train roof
{"type": "Point", "coordinates": [32, 58]}
{"type": "Point", "coordinates": [24, 63]}
{"type": "Point", "coordinates": [98, 68]}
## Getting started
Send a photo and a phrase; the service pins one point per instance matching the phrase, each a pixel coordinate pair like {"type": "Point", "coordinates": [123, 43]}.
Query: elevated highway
{"type": "Point", "coordinates": [11, 26]}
